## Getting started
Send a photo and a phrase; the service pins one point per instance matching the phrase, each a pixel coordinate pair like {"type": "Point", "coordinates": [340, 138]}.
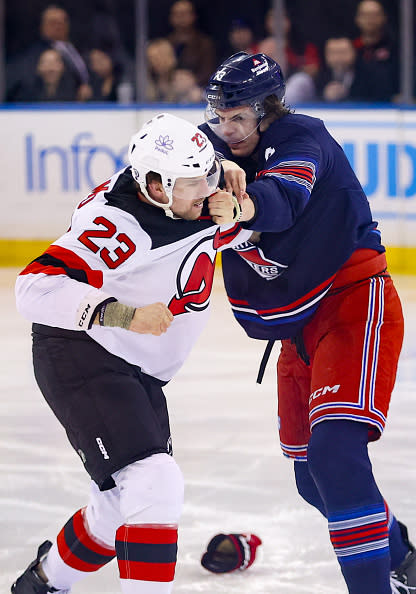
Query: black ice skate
{"type": "Point", "coordinates": [30, 582]}
{"type": "Point", "coordinates": [403, 579]}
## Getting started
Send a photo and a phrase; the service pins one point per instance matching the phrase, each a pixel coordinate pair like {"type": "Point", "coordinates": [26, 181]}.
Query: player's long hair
{"type": "Point", "coordinates": [274, 107]}
{"type": "Point", "coordinates": [275, 110]}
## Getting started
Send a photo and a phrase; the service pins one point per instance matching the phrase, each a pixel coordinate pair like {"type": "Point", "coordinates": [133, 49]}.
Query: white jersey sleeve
{"type": "Point", "coordinates": [57, 300]}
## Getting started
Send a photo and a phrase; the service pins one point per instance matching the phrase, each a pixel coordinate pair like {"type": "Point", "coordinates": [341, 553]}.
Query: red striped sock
{"type": "Point", "coordinates": [147, 552]}
{"type": "Point", "coordinates": [77, 546]}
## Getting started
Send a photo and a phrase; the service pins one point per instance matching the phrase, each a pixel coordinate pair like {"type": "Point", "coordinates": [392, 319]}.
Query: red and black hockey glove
{"type": "Point", "coordinates": [229, 552]}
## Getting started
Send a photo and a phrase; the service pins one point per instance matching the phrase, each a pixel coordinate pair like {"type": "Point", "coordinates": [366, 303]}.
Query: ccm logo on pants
{"type": "Point", "coordinates": [323, 391]}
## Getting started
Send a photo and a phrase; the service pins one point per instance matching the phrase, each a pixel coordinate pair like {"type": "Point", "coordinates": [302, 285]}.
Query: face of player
{"type": "Point", "coordinates": [188, 197]}
{"type": "Point", "coordinates": [189, 193]}
{"type": "Point", "coordinates": [239, 128]}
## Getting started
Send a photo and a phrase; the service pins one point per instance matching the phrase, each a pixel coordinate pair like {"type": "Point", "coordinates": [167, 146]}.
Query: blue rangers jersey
{"type": "Point", "coordinates": [120, 247]}
{"type": "Point", "coordinates": [312, 214]}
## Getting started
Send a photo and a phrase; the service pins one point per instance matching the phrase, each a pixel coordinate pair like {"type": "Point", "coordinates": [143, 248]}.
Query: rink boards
{"type": "Point", "coordinates": [54, 156]}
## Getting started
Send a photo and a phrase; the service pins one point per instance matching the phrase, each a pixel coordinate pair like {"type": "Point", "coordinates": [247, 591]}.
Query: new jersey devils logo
{"type": "Point", "coordinates": [194, 280]}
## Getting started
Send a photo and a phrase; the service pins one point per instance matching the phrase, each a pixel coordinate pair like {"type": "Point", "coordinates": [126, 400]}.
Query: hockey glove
{"type": "Point", "coordinates": [228, 552]}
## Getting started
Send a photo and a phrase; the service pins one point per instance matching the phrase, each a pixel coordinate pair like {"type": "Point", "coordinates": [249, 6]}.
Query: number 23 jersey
{"type": "Point", "coordinates": [120, 247]}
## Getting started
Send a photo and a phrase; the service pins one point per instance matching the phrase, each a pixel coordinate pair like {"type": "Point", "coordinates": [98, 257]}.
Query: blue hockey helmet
{"type": "Point", "coordinates": [245, 79]}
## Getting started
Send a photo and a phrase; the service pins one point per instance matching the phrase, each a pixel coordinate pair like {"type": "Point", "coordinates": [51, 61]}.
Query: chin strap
{"type": "Point", "coordinates": [168, 212]}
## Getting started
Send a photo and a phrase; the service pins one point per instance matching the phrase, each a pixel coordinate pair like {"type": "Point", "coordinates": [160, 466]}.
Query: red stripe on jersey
{"type": "Point", "coordinates": [148, 534]}
{"type": "Point", "coordinates": [147, 572]}
{"type": "Point", "coordinates": [224, 237]}
{"type": "Point", "coordinates": [81, 531]}
{"type": "Point", "coordinates": [71, 260]}
{"type": "Point", "coordinates": [296, 171]}
{"type": "Point", "coordinates": [238, 301]}
{"type": "Point", "coordinates": [299, 301]}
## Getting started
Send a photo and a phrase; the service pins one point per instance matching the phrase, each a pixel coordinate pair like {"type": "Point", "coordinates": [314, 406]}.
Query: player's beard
{"type": "Point", "coordinates": [192, 212]}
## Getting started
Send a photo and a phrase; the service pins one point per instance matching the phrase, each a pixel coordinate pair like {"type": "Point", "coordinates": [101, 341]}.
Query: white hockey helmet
{"type": "Point", "coordinates": [173, 148]}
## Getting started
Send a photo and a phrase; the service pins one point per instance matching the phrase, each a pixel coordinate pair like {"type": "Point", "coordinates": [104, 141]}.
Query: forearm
{"type": "Point", "coordinates": [276, 208]}
{"type": "Point", "coordinates": [58, 300]}
{"type": "Point", "coordinates": [150, 319]}
{"type": "Point", "coordinates": [115, 314]}
{"type": "Point", "coordinates": [248, 208]}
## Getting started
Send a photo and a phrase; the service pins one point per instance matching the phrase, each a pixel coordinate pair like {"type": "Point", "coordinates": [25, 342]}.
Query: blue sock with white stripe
{"type": "Point", "coordinates": [360, 541]}
{"type": "Point", "coordinates": [309, 492]}
{"type": "Point", "coordinates": [339, 464]}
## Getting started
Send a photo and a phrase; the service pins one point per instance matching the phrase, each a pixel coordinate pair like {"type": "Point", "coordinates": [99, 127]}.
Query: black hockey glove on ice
{"type": "Point", "coordinates": [228, 552]}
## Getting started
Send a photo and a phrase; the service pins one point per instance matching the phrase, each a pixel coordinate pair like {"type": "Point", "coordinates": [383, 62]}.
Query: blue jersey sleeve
{"type": "Point", "coordinates": [284, 183]}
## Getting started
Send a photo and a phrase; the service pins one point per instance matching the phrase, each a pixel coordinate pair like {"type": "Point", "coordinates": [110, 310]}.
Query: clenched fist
{"type": "Point", "coordinates": [151, 319]}
{"type": "Point", "coordinates": [221, 207]}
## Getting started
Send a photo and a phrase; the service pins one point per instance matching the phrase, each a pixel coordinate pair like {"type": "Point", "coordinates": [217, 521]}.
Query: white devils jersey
{"type": "Point", "coordinates": [120, 247]}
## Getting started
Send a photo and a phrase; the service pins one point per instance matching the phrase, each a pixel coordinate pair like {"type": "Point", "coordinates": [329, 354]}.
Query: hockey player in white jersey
{"type": "Point", "coordinates": [117, 303]}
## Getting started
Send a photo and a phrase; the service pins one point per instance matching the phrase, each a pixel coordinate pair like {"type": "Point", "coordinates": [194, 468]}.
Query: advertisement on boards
{"type": "Point", "coordinates": [53, 158]}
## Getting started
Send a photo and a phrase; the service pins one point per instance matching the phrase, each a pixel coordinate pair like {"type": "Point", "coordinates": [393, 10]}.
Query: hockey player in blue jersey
{"type": "Point", "coordinates": [314, 275]}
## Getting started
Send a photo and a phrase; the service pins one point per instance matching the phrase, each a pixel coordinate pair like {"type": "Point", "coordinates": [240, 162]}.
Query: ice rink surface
{"type": "Point", "coordinates": [224, 429]}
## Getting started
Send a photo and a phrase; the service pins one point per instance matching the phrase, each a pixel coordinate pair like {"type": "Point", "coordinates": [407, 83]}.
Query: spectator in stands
{"type": "Point", "coordinates": [300, 55]}
{"type": "Point", "coordinates": [185, 88]}
{"type": "Point", "coordinates": [301, 60]}
{"type": "Point", "coordinates": [240, 38]}
{"type": "Point", "coordinates": [54, 34]}
{"type": "Point", "coordinates": [194, 49]}
{"type": "Point", "coordinates": [377, 61]}
{"type": "Point", "coordinates": [106, 75]}
{"type": "Point", "coordinates": [335, 80]}
{"type": "Point", "coordinates": [162, 63]}
{"type": "Point", "coordinates": [51, 83]}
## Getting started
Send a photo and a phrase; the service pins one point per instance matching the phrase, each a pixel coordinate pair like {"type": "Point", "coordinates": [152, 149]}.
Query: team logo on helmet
{"type": "Point", "coordinates": [164, 144]}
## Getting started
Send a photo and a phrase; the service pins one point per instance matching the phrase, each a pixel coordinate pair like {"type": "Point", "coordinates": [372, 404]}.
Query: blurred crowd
{"type": "Point", "coordinates": [358, 62]}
